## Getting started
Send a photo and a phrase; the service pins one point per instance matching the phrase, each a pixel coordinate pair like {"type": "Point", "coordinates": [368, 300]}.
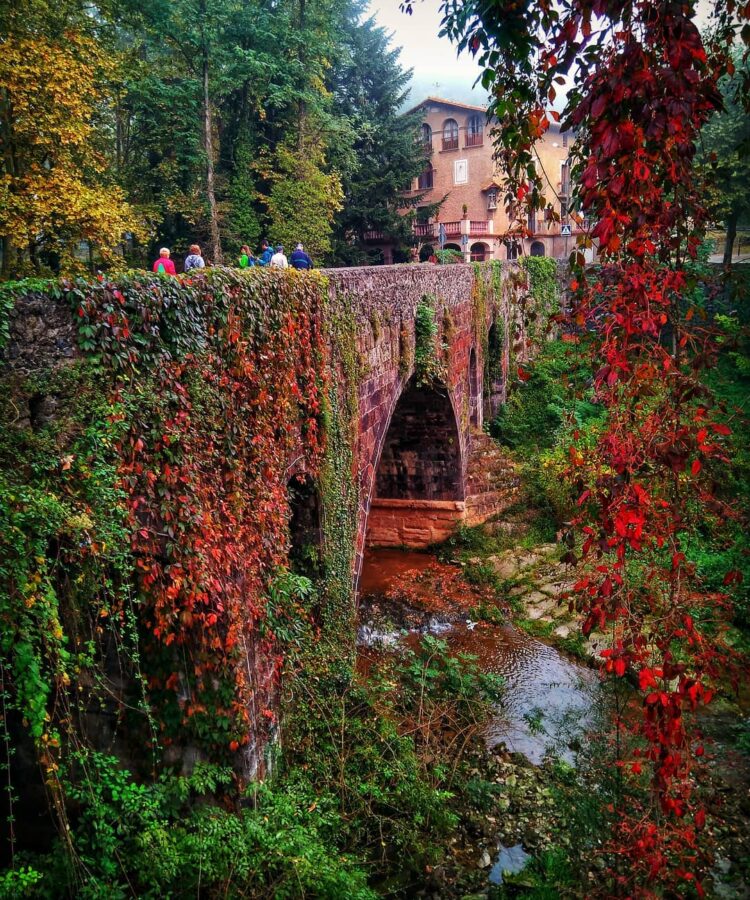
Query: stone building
{"type": "Point", "coordinates": [460, 171]}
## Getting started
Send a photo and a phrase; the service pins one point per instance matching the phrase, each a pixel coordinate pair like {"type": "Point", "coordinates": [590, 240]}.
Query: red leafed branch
{"type": "Point", "coordinates": [641, 84]}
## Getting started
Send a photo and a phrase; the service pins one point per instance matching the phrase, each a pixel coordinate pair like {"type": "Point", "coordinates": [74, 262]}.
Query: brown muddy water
{"type": "Point", "coordinates": [549, 700]}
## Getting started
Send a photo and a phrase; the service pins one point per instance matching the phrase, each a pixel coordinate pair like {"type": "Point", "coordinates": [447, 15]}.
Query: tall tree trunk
{"type": "Point", "coordinates": [9, 257]}
{"type": "Point", "coordinates": [730, 238]}
{"type": "Point", "coordinates": [208, 146]}
{"type": "Point", "coordinates": [302, 107]}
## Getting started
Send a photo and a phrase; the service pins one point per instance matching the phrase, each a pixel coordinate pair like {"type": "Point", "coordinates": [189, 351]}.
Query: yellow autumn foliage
{"type": "Point", "coordinates": [54, 185]}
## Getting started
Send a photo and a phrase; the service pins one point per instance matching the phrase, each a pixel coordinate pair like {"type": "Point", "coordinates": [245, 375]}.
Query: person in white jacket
{"type": "Point", "coordinates": [279, 260]}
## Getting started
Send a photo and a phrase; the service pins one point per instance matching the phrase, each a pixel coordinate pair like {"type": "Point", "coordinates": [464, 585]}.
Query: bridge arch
{"type": "Point", "coordinates": [417, 488]}
{"type": "Point", "coordinates": [420, 458]}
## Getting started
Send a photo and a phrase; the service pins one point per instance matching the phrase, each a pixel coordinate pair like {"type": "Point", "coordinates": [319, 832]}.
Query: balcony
{"type": "Point", "coordinates": [423, 229]}
{"type": "Point", "coordinates": [479, 227]}
{"type": "Point", "coordinates": [452, 228]}
{"type": "Point", "coordinates": [474, 140]}
{"type": "Point", "coordinates": [450, 143]}
{"type": "Point", "coordinates": [374, 236]}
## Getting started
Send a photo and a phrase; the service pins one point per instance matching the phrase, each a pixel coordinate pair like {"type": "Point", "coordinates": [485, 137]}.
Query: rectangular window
{"type": "Point", "coordinates": [461, 171]}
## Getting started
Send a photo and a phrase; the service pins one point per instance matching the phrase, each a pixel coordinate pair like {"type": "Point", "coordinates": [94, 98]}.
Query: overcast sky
{"type": "Point", "coordinates": [437, 69]}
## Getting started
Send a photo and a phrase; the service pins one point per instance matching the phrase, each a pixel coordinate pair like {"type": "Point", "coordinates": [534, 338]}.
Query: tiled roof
{"type": "Point", "coordinates": [442, 101]}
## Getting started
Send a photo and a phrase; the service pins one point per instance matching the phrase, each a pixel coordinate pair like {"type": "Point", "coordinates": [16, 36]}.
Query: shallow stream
{"type": "Point", "coordinates": [548, 698]}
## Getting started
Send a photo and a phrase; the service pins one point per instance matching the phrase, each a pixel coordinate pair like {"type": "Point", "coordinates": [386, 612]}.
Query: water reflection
{"type": "Point", "coordinates": [548, 698]}
{"type": "Point", "coordinates": [510, 860]}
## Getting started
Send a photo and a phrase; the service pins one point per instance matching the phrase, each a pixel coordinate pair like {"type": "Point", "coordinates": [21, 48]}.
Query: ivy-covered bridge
{"type": "Point", "coordinates": [178, 441]}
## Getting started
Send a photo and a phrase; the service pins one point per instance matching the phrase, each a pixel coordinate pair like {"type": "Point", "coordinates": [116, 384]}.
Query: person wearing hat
{"type": "Point", "coordinates": [279, 260]}
{"type": "Point", "coordinates": [299, 259]}
{"type": "Point", "coordinates": [164, 265]}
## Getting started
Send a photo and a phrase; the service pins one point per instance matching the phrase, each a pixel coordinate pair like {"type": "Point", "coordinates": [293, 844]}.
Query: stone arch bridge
{"type": "Point", "coordinates": [433, 350]}
{"type": "Point", "coordinates": [421, 458]}
{"type": "Point", "coordinates": [421, 455]}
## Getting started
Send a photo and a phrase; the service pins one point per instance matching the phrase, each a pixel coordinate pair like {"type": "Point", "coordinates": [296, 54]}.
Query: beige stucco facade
{"type": "Point", "coordinates": [460, 171]}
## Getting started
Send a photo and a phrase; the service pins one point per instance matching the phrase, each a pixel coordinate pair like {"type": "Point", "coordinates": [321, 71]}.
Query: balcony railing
{"type": "Point", "coordinates": [474, 140]}
{"type": "Point", "coordinates": [450, 143]}
{"type": "Point", "coordinates": [374, 236]}
{"type": "Point", "coordinates": [423, 229]}
{"type": "Point", "coordinates": [452, 228]}
{"type": "Point", "coordinates": [478, 227]}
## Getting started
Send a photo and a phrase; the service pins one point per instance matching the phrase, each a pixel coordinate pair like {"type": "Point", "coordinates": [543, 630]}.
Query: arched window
{"type": "Point", "coordinates": [479, 252]}
{"type": "Point", "coordinates": [450, 134]}
{"type": "Point", "coordinates": [425, 136]}
{"type": "Point", "coordinates": [425, 181]}
{"type": "Point", "coordinates": [537, 248]}
{"type": "Point", "coordinates": [475, 132]}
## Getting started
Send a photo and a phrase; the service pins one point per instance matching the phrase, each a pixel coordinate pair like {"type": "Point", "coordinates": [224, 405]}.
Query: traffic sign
{"type": "Point", "coordinates": [565, 230]}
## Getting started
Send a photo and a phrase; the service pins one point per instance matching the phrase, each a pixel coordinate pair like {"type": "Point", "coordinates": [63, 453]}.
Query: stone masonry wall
{"type": "Point", "coordinates": [383, 301]}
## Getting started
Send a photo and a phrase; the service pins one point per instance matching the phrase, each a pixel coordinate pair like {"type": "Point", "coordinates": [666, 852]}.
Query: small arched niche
{"type": "Point", "coordinates": [305, 526]}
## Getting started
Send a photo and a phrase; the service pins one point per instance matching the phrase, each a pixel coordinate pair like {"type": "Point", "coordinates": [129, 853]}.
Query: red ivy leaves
{"type": "Point", "coordinates": [205, 468]}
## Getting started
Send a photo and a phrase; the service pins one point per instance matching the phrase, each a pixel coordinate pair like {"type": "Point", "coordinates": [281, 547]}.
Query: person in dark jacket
{"type": "Point", "coordinates": [299, 259]}
{"type": "Point", "coordinates": [266, 252]}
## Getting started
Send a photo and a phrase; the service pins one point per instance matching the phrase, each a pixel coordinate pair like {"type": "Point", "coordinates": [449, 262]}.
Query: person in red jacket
{"type": "Point", "coordinates": [164, 264]}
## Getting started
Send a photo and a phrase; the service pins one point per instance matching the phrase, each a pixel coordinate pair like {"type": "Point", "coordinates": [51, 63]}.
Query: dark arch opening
{"type": "Point", "coordinates": [425, 252]}
{"type": "Point", "coordinates": [452, 247]}
{"type": "Point", "coordinates": [305, 534]}
{"type": "Point", "coordinates": [493, 371]}
{"type": "Point", "coordinates": [473, 389]}
{"type": "Point", "coordinates": [421, 458]}
{"type": "Point", "coordinates": [479, 252]}
{"type": "Point", "coordinates": [537, 248]}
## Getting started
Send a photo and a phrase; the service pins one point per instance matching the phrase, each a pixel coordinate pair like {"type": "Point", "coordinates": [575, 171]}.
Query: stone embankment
{"type": "Point", "coordinates": [538, 588]}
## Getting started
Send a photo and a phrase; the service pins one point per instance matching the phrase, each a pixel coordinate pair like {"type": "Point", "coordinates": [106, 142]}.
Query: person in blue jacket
{"type": "Point", "coordinates": [299, 259]}
{"type": "Point", "coordinates": [266, 253]}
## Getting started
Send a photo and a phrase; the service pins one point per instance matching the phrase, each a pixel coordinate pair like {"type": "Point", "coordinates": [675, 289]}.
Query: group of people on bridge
{"type": "Point", "coordinates": [272, 257]}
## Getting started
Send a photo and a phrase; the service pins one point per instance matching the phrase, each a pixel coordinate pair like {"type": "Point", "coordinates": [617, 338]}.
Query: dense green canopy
{"type": "Point", "coordinates": [217, 122]}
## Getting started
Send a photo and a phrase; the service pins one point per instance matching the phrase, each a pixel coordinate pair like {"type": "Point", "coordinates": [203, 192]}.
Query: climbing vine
{"type": "Point", "coordinates": [429, 365]}
{"type": "Point", "coordinates": [162, 483]}
{"type": "Point", "coordinates": [644, 83]}
{"type": "Point", "coordinates": [541, 276]}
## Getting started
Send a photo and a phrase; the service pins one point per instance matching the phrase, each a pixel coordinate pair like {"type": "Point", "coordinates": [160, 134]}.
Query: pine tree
{"type": "Point", "coordinates": [370, 87]}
